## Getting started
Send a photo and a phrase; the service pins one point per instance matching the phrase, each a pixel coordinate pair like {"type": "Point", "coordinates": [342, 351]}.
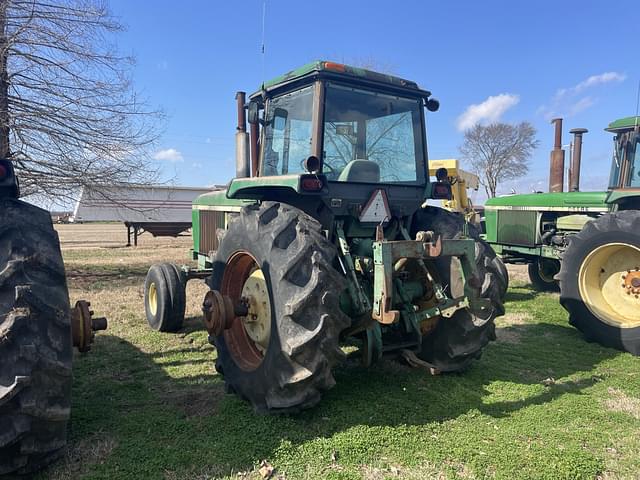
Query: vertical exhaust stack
{"type": "Point", "coordinates": [574, 171]}
{"type": "Point", "coordinates": [242, 139]}
{"type": "Point", "coordinates": [556, 173]}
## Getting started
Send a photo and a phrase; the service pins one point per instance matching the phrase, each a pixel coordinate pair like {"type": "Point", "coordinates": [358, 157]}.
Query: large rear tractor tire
{"type": "Point", "coordinates": [542, 272]}
{"type": "Point", "coordinates": [280, 355]}
{"type": "Point", "coordinates": [165, 297]}
{"type": "Point", "coordinates": [458, 340]}
{"type": "Point", "coordinates": [35, 340]}
{"type": "Point", "coordinates": [600, 280]}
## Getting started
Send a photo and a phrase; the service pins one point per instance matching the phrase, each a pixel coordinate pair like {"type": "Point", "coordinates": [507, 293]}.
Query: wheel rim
{"type": "Point", "coordinates": [153, 298]}
{"type": "Point", "coordinates": [547, 270]}
{"type": "Point", "coordinates": [609, 284]}
{"type": "Point", "coordinates": [248, 337]}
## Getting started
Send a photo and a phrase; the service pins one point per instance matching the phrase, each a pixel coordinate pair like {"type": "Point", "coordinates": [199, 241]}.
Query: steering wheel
{"type": "Point", "coordinates": [327, 170]}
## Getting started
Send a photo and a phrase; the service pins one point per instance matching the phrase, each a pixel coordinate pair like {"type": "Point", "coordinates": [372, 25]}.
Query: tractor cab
{"type": "Point", "coordinates": [367, 136]}
{"type": "Point", "coordinates": [625, 167]}
{"type": "Point", "coordinates": [332, 134]}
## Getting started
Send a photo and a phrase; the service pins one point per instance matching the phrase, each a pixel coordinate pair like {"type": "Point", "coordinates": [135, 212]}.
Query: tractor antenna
{"type": "Point", "coordinates": [264, 16]}
{"type": "Point", "coordinates": [637, 105]}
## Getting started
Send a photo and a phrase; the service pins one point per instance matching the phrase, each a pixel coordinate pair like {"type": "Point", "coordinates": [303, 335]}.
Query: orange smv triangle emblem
{"type": "Point", "coordinates": [377, 208]}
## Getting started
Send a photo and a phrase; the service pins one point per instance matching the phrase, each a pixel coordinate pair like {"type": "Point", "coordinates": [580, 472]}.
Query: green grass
{"type": "Point", "coordinates": [541, 403]}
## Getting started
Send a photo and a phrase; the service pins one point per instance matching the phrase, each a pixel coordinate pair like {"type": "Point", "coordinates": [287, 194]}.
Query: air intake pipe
{"type": "Point", "coordinates": [242, 138]}
{"type": "Point", "coordinates": [556, 173]}
{"type": "Point", "coordinates": [574, 171]}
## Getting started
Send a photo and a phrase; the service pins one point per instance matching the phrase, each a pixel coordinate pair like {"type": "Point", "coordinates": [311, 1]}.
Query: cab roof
{"type": "Point", "coordinates": [625, 123]}
{"type": "Point", "coordinates": [341, 71]}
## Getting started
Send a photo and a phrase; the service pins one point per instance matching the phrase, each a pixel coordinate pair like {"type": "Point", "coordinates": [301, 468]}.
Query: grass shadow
{"type": "Point", "coordinates": [156, 418]}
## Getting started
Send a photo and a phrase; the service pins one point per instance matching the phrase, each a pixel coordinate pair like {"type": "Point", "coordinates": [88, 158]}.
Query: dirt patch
{"type": "Point", "coordinates": [513, 318]}
{"type": "Point", "coordinates": [505, 331]}
{"type": "Point", "coordinates": [82, 455]}
{"type": "Point", "coordinates": [111, 236]}
{"type": "Point", "coordinates": [518, 274]}
{"type": "Point", "coordinates": [621, 402]}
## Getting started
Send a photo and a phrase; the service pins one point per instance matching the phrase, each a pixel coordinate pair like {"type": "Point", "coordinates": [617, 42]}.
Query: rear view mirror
{"type": "Point", "coordinates": [432, 105]}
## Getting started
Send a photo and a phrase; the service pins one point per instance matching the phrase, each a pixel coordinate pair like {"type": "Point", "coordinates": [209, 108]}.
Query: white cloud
{"type": "Point", "coordinates": [592, 81]}
{"type": "Point", "coordinates": [564, 103]}
{"type": "Point", "coordinates": [488, 111]}
{"type": "Point", "coordinates": [169, 155]}
{"type": "Point", "coordinates": [580, 106]}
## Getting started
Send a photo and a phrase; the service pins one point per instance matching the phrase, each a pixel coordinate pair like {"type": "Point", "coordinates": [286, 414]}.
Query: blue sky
{"type": "Point", "coordinates": [513, 61]}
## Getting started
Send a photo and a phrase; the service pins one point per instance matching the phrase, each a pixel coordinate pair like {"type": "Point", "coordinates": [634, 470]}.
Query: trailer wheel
{"type": "Point", "coordinates": [279, 356]}
{"type": "Point", "coordinates": [456, 341]}
{"type": "Point", "coordinates": [600, 280]}
{"type": "Point", "coordinates": [164, 297]}
{"type": "Point", "coordinates": [35, 340]}
{"type": "Point", "coordinates": [542, 272]}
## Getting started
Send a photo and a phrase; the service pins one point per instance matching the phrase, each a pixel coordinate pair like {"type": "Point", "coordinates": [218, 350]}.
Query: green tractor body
{"type": "Point", "coordinates": [585, 244]}
{"type": "Point", "coordinates": [322, 238]}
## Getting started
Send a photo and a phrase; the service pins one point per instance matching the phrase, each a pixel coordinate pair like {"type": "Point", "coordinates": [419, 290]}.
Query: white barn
{"type": "Point", "coordinates": [157, 209]}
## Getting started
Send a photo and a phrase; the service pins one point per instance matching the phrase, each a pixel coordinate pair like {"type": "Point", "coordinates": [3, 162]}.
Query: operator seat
{"type": "Point", "coordinates": [364, 171]}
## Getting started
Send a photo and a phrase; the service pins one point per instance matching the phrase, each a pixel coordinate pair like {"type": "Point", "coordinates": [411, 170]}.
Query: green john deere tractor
{"type": "Point", "coordinates": [584, 244]}
{"type": "Point", "coordinates": [322, 238]}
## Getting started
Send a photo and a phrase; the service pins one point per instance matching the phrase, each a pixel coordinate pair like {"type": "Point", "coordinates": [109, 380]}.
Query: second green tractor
{"type": "Point", "coordinates": [584, 244]}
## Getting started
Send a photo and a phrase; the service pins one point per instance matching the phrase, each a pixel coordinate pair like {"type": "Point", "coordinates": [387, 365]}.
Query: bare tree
{"type": "Point", "coordinates": [72, 117]}
{"type": "Point", "coordinates": [498, 152]}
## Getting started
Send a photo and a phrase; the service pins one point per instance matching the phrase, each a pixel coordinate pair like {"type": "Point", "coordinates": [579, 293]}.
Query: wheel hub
{"type": "Point", "coordinates": [257, 321]}
{"type": "Point", "coordinates": [632, 281]}
{"type": "Point", "coordinates": [84, 326]}
{"type": "Point", "coordinates": [248, 333]}
{"type": "Point", "coordinates": [609, 284]}
{"type": "Point", "coordinates": [153, 298]}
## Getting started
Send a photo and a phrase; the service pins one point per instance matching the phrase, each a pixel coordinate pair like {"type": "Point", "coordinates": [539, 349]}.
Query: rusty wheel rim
{"type": "Point", "coordinates": [240, 338]}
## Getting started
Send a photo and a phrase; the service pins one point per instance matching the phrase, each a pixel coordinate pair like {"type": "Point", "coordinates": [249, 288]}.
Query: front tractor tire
{"type": "Point", "coordinates": [280, 355]}
{"type": "Point", "coordinates": [600, 280]}
{"type": "Point", "coordinates": [457, 341]}
{"type": "Point", "coordinates": [35, 340]}
{"type": "Point", "coordinates": [542, 272]}
{"type": "Point", "coordinates": [165, 297]}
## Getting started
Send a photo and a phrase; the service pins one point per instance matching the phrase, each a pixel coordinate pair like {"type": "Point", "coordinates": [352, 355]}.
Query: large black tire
{"type": "Point", "coordinates": [541, 274]}
{"type": "Point", "coordinates": [35, 340]}
{"type": "Point", "coordinates": [614, 228]}
{"type": "Point", "coordinates": [458, 340]}
{"type": "Point", "coordinates": [303, 288]}
{"type": "Point", "coordinates": [164, 297]}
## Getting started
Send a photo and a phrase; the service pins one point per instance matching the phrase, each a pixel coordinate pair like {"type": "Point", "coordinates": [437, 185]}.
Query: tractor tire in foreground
{"type": "Point", "coordinates": [600, 281]}
{"type": "Point", "coordinates": [35, 340]}
{"type": "Point", "coordinates": [280, 355]}
{"type": "Point", "coordinates": [458, 340]}
{"type": "Point", "coordinates": [541, 274]}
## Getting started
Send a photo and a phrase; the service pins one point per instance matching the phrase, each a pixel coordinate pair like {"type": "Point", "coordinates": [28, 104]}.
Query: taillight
{"type": "Point", "coordinates": [441, 191]}
{"type": "Point", "coordinates": [3, 172]}
{"type": "Point", "coordinates": [311, 184]}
